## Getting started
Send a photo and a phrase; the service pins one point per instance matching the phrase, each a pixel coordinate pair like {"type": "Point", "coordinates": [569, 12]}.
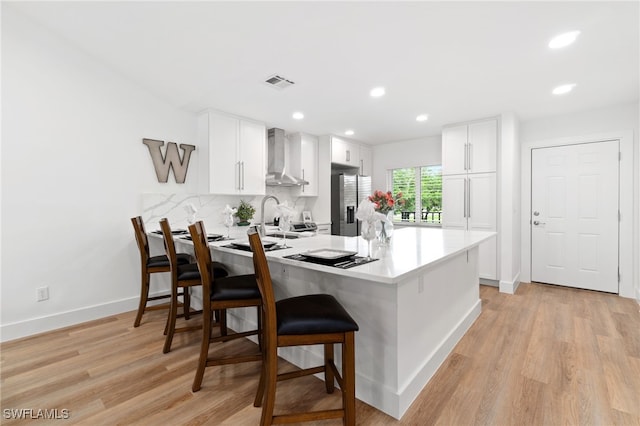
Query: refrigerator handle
{"type": "Point", "coordinates": [351, 214]}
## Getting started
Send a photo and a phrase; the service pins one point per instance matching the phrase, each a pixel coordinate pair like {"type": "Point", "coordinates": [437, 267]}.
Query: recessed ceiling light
{"type": "Point", "coordinates": [298, 115]}
{"type": "Point", "coordinates": [563, 40]}
{"type": "Point", "coordinates": [377, 92]}
{"type": "Point", "coordinates": [349, 132]}
{"type": "Point", "coordinates": [565, 88]}
{"type": "Point", "coordinates": [422, 117]}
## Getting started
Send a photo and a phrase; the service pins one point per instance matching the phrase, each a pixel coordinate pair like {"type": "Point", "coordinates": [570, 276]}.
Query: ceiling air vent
{"type": "Point", "coordinates": [278, 82]}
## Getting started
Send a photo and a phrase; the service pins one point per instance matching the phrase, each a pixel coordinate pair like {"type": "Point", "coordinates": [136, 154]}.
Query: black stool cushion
{"type": "Point", "coordinates": [219, 270]}
{"type": "Point", "coordinates": [163, 260]}
{"type": "Point", "coordinates": [190, 271]}
{"type": "Point", "coordinates": [313, 314]}
{"type": "Point", "coordinates": [235, 287]}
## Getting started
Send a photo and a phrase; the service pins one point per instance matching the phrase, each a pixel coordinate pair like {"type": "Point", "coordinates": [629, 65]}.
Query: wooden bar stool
{"type": "Point", "coordinates": [183, 277]}
{"type": "Point", "coordinates": [316, 319]}
{"type": "Point", "coordinates": [220, 294]}
{"type": "Point", "coordinates": [151, 265]}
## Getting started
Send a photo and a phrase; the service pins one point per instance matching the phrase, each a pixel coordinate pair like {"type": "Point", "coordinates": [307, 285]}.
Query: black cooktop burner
{"type": "Point", "coordinates": [350, 262]}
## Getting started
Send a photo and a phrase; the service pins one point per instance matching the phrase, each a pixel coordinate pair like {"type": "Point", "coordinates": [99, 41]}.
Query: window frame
{"type": "Point", "coordinates": [418, 201]}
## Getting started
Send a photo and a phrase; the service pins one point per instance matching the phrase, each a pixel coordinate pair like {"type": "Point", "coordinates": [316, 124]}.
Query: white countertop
{"type": "Point", "coordinates": [411, 250]}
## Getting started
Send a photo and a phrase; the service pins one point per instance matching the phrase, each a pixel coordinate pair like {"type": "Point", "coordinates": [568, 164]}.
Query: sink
{"type": "Point", "coordinates": [279, 235]}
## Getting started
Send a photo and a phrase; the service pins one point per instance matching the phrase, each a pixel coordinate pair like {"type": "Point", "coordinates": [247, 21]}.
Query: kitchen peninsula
{"type": "Point", "coordinates": [413, 304]}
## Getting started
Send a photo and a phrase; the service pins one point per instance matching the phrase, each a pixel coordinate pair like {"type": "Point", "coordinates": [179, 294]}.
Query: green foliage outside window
{"type": "Point", "coordinates": [421, 185]}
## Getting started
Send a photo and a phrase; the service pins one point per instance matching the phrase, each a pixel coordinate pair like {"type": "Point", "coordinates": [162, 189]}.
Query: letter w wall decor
{"type": "Point", "coordinates": [171, 159]}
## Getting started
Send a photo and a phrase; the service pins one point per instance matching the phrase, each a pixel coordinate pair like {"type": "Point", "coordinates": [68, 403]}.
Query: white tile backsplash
{"type": "Point", "coordinates": [210, 206]}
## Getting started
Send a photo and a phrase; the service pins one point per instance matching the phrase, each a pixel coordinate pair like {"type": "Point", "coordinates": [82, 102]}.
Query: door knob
{"type": "Point", "coordinates": [537, 222]}
{"type": "Point", "coordinates": [536, 213]}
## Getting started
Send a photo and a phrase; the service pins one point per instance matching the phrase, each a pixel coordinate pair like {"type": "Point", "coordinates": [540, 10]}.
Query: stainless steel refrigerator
{"type": "Point", "coordinates": [347, 191]}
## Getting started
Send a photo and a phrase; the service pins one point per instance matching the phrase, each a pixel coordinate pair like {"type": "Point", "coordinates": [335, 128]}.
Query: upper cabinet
{"type": "Point", "coordinates": [234, 150]}
{"type": "Point", "coordinates": [347, 153]}
{"type": "Point", "coordinates": [470, 148]}
{"type": "Point", "coordinates": [303, 153]}
{"type": "Point", "coordinates": [366, 160]}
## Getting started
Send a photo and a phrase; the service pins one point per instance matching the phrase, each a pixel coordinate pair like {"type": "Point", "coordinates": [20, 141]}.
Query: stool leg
{"type": "Point", "coordinates": [349, 379]}
{"type": "Point", "coordinates": [257, 402]}
{"type": "Point", "coordinates": [204, 347]}
{"type": "Point", "coordinates": [186, 305]}
{"type": "Point", "coordinates": [144, 294]}
{"type": "Point", "coordinates": [259, 319]}
{"type": "Point", "coordinates": [223, 322]}
{"type": "Point", "coordinates": [329, 380]}
{"type": "Point", "coordinates": [171, 321]}
{"type": "Point", "coordinates": [271, 378]}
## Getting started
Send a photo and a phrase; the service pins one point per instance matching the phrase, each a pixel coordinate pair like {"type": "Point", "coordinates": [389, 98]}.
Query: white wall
{"type": "Point", "coordinates": [509, 208]}
{"type": "Point", "coordinates": [74, 168]}
{"type": "Point", "coordinates": [425, 151]}
{"type": "Point", "coordinates": [619, 121]}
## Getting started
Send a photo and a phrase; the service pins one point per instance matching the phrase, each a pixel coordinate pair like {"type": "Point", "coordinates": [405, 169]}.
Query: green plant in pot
{"type": "Point", "coordinates": [245, 213]}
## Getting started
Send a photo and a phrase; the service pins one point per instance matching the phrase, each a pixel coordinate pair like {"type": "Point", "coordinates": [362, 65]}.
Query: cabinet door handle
{"type": "Point", "coordinates": [464, 200]}
{"type": "Point", "coordinates": [469, 156]}
{"type": "Point", "coordinates": [239, 178]}
{"type": "Point", "coordinates": [348, 156]}
{"type": "Point", "coordinates": [362, 167]}
{"type": "Point", "coordinates": [303, 179]}
{"type": "Point", "coordinates": [469, 200]}
{"type": "Point", "coordinates": [242, 164]}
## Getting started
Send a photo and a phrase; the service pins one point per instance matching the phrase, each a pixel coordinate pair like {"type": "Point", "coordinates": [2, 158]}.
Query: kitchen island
{"type": "Point", "coordinates": [413, 304]}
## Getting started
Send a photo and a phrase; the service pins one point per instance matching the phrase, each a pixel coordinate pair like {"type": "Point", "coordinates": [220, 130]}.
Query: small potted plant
{"type": "Point", "coordinates": [245, 213]}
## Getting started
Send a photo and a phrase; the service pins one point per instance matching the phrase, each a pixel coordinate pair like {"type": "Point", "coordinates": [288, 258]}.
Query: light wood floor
{"type": "Point", "coordinates": [545, 356]}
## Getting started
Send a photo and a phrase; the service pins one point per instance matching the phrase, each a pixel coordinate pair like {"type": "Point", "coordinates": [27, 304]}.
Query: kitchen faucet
{"type": "Point", "coordinates": [264, 200]}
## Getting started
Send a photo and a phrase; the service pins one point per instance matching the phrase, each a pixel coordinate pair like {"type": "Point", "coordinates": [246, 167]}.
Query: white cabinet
{"type": "Point", "coordinates": [454, 202]}
{"type": "Point", "coordinates": [236, 154]}
{"type": "Point", "coordinates": [303, 154]}
{"type": "Point", "coordinates": [352, 154]}
{"type": "Point", "coordinates": [469, 185]}
{"type": "Point", "coordinates": [469, 203]}
{"type": "Point", "coordinates": [345, 153]}
{"type": "Point", "coordinates": [470, 148]}
{"type": "Point", "coordinates": [366, 160]}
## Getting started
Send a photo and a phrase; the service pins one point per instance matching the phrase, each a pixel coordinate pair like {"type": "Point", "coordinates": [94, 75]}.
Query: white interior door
{"type": "Point", "coordinates": [574, 215]}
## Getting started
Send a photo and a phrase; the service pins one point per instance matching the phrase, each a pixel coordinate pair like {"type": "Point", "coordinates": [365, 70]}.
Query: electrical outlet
{"type": "Point", "coordinates": [43, 293]}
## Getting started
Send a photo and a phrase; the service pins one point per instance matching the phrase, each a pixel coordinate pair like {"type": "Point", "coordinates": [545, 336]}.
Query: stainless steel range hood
{"type": "Point", "coordinates": [276, 172]}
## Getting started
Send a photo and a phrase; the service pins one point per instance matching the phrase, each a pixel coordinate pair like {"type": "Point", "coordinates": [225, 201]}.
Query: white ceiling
{"type": "Point", "coordinates": [455, 61]}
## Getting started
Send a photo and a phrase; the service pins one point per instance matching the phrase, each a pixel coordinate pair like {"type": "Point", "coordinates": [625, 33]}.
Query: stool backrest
{"type": "Point", "coordinates": [203, 258]}
{"type": "Point", "coordinates": [141, 238]}
{"type": "Point", "coordinates": [169, 245]}
{"type": "Point", "coordinates": [263, 277]}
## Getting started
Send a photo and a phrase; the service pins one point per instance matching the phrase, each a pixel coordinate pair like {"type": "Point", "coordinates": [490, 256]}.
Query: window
{"type": "Point", "coordinates": [422, 191]}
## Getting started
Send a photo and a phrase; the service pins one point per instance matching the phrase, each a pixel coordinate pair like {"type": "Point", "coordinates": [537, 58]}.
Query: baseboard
{"type": "Point", "coordinates": [32, 326]}
{"type": "Point", "coordinates": [491, 283]}
{"type": "Point", "coordinates": [510, 287]}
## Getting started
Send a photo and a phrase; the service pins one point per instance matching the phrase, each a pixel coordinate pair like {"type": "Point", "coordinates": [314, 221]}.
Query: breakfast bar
{"type": "Point", "coordinates": [412, 304]}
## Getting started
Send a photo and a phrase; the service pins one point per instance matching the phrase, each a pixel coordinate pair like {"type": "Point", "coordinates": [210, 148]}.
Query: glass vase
{"type": "Point", "coordinates": [387, 230]}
